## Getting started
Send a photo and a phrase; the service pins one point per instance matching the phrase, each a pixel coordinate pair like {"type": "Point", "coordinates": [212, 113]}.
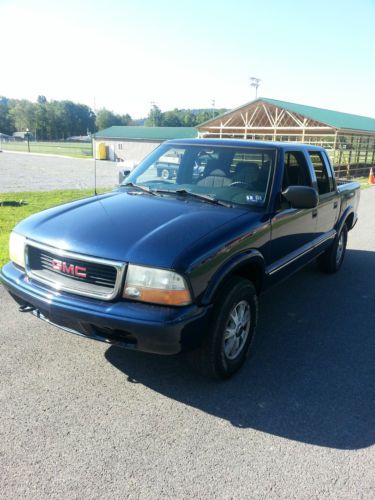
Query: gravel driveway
{"type": "Point", "coordinates": [81, 420]}
{"type": "Point", "coordinates": [29, 172]}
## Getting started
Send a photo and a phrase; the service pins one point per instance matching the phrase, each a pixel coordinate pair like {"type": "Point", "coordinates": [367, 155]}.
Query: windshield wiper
{"type": "Point", "coordinates": [145, 189]}
{"type": "Point", "coordinates": [199, 196]}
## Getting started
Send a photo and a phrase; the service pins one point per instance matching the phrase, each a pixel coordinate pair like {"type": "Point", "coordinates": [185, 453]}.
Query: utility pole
{"type": "Point", "coordinates": [255, 82]}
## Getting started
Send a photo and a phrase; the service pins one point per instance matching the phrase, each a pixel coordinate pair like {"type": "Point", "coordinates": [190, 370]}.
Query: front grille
{"type": "Point", "coordinates": [74, 273]}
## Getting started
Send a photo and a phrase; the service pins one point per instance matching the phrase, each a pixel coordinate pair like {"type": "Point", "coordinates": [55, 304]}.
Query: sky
{"type": "Point", "coordinates": [126, 54]}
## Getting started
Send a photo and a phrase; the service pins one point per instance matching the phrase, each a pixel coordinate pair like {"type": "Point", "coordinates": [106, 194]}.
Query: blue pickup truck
{"type": "Point", "coordinates": [170, 265]}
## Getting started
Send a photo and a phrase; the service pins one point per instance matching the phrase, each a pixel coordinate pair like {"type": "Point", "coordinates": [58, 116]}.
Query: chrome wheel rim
{"type": "Point", "coordinates": [165, 174]}
{"type": "Point", "coordinates": [340, 249]}
{"type": "Point", "coordinates": [237, 329]}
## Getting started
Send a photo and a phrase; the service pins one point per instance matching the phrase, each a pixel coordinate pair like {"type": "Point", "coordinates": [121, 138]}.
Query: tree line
{"type": "Point", "coordinates": [59, 120]}
{"type": "Point", "coordinates": [180, 117]}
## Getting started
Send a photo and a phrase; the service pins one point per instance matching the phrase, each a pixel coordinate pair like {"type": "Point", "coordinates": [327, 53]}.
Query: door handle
{"type": "Point", "coordinates": [335, 205]}
{"type": "Point", "coordinates": [314, 213]}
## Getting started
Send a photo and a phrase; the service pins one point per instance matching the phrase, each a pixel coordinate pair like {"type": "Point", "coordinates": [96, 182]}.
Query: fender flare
{"type": "Point", "coordinates": [340, 223]}
{"type": "Point", "coordinates": [230, 266]}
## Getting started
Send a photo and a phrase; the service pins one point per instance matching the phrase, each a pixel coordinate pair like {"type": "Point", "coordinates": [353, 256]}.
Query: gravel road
{"type": "Point", "coordinates": [81, 420]}
{"type": "Point", "coordinates": [29, 172]}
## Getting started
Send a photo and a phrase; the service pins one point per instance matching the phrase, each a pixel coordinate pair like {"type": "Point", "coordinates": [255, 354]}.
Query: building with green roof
{"type": "Point", "coordinates": [132, 144]}
{"type": "Point", "coordinates": [350, 139]}
{"type": "Point", "coordinates": [158, 134]}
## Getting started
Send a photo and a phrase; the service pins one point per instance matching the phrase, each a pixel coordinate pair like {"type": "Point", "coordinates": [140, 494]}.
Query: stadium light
{"type": "Point", "coordinates": [255, 82]}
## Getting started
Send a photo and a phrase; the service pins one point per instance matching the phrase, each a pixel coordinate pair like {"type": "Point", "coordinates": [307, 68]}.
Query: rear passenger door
{"type": "Point", "coordinates": [328, 199]}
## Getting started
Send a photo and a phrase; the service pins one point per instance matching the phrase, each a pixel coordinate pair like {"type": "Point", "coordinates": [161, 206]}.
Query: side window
{"type": "Point", "coordinates": [296, 171]}
{"type": "Point", "coordinates": [322, 172]}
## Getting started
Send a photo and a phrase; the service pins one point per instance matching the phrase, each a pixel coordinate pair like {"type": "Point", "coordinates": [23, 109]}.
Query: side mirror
{"type": "Point", "coordinates": [122, 174]}
{"type": "Point", "coordinates": [301, 196]}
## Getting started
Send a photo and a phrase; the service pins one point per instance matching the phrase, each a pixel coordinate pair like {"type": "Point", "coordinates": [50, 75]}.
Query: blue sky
{"type": "Point", "coordinates": [126, 54]}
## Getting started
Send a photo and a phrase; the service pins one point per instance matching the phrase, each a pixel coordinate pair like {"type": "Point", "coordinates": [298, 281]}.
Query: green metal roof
{"type": "Point", "coordinates": [147, 133]}
{"type": "Point", "coordinates": [332, 118]}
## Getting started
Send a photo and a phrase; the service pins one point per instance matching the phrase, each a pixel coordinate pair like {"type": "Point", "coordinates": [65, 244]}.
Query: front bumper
{"type": "Point", "coordinates": [145, 327]}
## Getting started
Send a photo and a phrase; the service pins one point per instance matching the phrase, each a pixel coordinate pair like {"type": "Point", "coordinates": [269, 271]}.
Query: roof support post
{"type": "Point", "coordinates": [334, 147]}
{"type": "Point", "coordinates": [358, 151]}
{"type": "Point", "coordinates": [367, 147]}
{"type": "Point", "coordinates": [340, 152]}
{"type": "Point", "coordinates": [373, 152]}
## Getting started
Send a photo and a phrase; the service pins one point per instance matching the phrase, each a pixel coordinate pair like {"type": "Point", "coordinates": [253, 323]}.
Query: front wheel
{"type": "Point", "coordinates": [229, 339]}
{"type": "Point", "coordinates": [331, 260]}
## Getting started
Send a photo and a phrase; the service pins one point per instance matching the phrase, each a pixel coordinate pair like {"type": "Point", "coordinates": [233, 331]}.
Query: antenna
{"type": "Point", "coordinates": [94, 151]}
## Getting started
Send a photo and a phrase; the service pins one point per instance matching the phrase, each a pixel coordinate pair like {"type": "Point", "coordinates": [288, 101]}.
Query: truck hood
{"type": "Point", "coordinates": [138, 228]}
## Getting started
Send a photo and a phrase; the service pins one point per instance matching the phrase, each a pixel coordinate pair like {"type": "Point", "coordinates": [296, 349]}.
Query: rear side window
{"type": "Point", "coordinates": [296, 171]}
{"type": "Point", "coordinates": [322, 172]}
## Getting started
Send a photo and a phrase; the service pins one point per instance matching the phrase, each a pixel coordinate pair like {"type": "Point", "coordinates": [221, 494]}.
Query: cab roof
{"type": "Point", "coordinates": [242, 143]}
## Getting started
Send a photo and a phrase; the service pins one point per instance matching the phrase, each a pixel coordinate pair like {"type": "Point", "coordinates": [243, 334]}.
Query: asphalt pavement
{"type": "Point", "coordinates": [81, 420]}
{"type": "Point", "coordinates": [31, 172]}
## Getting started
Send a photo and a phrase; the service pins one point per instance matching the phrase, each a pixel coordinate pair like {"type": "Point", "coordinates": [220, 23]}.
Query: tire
{"type": "Point", "coordinates": [165, 174]}
{"type": "Point", "coordinates": [227, 345]}
{"type": "Point", "coordinates": [331, 260]}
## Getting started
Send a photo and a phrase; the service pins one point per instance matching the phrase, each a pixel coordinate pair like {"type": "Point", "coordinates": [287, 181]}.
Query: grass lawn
{"type": "Point", "coordinates": [363, 181]}
{"type": "Point", "coordinates": [36, 201]}
{"type": "Point", "coordinates": [74, 149]}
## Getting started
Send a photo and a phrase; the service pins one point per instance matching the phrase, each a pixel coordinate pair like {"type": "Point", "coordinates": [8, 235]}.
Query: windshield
{"type": "Point", "coordinates": [230, 174]}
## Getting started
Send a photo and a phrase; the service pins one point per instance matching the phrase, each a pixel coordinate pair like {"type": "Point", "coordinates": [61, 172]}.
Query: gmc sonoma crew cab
{"type": "Point", "coordinates": [172, 265]}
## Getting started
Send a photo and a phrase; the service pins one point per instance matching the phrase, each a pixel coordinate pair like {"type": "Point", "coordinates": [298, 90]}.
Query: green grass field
{"type": "Point", "coordinates": [36, 201]}
{"type": "Point", "coordinates": [73, 149]}
{"type": "Point", "coordinates": [363, 181]}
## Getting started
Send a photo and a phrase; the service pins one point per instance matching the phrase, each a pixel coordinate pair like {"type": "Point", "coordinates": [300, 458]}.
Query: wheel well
{"type": "Point", "coordinates": [253, 272]}
{"type": "Point", "coordinates": [349, 221]}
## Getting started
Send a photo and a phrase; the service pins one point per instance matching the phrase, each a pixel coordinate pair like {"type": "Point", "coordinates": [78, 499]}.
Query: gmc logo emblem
{"type": "Point", "coordinates": [63, 267]}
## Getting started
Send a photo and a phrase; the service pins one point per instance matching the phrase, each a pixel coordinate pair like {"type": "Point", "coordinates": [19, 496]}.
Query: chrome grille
{"type": "Point", "coordinates": [75, 273]}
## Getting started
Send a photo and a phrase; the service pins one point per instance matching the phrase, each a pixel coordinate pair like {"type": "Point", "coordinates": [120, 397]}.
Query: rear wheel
{"type": "Point", "coordinates": [331, 260]}
{"type": "Point", "coordinates": [229, 339]}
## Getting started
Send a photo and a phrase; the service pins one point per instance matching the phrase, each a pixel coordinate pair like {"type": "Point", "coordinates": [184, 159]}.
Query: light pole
{"type": "Point", "coordinates": [255, 82]}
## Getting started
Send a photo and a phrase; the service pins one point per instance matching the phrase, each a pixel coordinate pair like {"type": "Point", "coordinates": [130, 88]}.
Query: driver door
{"type": "Point", "coordinates": [292, 230]}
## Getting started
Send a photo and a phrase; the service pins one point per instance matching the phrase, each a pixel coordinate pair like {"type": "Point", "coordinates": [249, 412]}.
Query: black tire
{"type": "Point", "coordinates": [212, 358]}
{"type": "Point", "coordinates": [331, 260]}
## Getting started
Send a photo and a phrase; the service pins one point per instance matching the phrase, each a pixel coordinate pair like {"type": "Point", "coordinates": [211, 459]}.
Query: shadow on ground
{"type": "Point", "coordinates": [311, 377]}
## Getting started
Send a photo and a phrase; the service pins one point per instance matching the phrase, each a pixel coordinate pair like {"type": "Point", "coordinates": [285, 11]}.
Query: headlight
{"type": "Point", "coordinates": [17, 248]}
{"type": "Point", "coordinates": [158, 286]}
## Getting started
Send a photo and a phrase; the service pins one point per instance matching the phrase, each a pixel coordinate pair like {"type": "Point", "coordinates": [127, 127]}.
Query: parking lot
{"type": "Point", "coordinates": [28, 172]}
{"type": "Point", "coordinates": [81, 419]}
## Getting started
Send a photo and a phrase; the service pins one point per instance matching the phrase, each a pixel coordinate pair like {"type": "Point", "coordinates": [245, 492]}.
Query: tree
{"type": "Point", "coordinates": [22, 113]}
{"type": "Point", "coordinates": [155, 117]}
{"type": "Point", "coordinates": [106, 118]}
{"type": "Point", "coordinates": [6, 122]}
{"type": "Point", "coordinates": [171, 119]}
{"type": "Point", "coordinates": [126, 119]}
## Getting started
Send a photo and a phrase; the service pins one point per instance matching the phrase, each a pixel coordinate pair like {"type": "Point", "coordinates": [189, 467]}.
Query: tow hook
{"type": "Point", "coordinates": [26, 309]}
